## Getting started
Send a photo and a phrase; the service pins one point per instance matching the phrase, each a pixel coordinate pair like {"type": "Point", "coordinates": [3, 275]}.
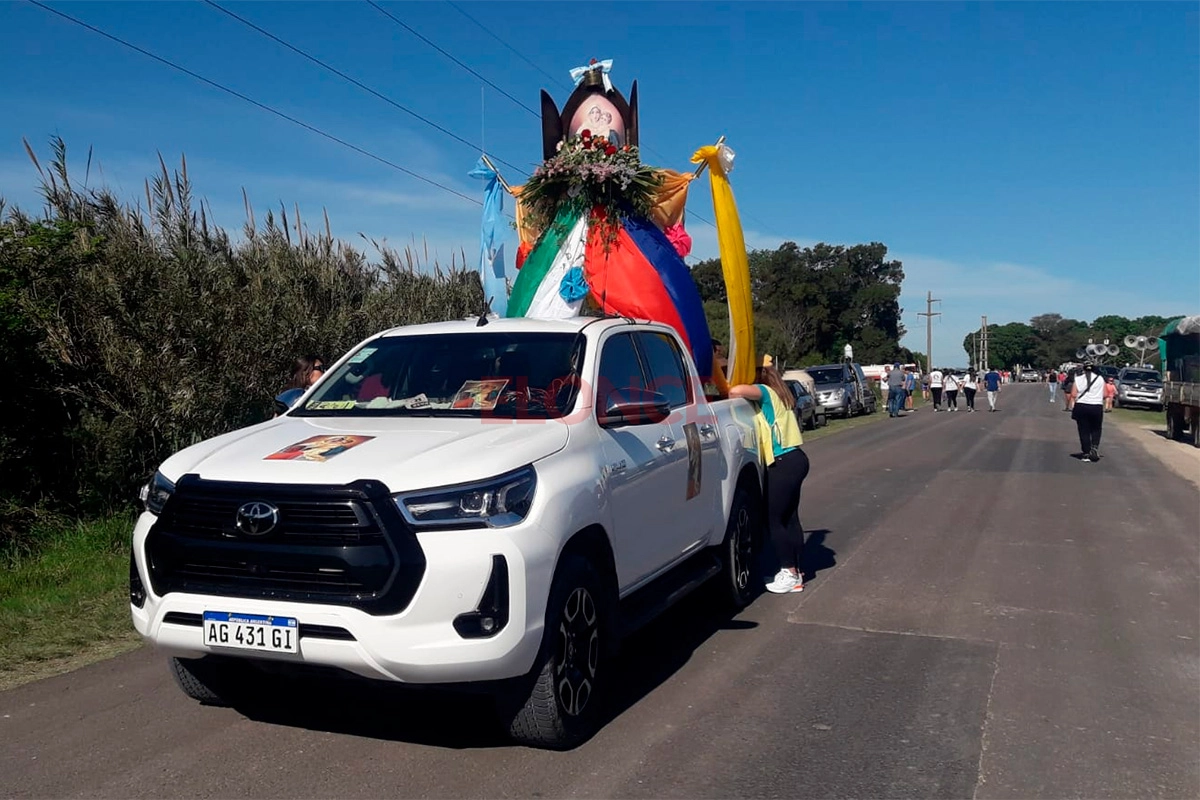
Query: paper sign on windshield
{"type": "Point", "coordinates": [318, 448]}
{"type": "Point", "coordinates": [479, 395]}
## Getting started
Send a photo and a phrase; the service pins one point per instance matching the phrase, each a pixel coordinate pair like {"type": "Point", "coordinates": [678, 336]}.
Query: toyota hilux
{"type": "Point", "coordinates": [486, 505]}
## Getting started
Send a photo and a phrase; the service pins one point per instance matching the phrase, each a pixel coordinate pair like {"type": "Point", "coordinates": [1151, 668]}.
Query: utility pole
{"type": "Point", "coordinates": [984, 335]}
{"type": "Point", "coordinates": [929, 314]}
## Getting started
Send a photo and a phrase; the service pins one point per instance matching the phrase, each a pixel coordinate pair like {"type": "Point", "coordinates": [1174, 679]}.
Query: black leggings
{"type": "Point", "coordinates": [937, 396]}
{"type": "Point", "coordinates": [784, 478]}
{"type": "Point", "coordinates": [1089, 418]}
{"type": "Point", "coordinates": [970, 393]}
{"type": "Point", "coordinates": [952, 398]}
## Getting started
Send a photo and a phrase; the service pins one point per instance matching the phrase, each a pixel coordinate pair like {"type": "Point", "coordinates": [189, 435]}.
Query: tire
{"type": "Point", "coordinates": [558, 705]}
{"type": "Point", "coordinates": [822, 421]}
{"type": "Point", "coordinates": [810, 423]}
{"type": "Point", "coordinates": [1174, 423]}
{"type": "Point", "coordinates": [739, 550]}
{"type": "Point", "coordinates": [211, 680]}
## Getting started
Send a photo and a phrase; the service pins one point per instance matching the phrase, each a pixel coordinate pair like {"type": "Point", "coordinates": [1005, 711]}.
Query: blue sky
{"type": "Point", "coordinates": [1018, 158]}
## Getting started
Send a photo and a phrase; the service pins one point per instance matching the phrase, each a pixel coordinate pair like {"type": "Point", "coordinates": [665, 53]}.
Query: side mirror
{"type": "Point", "coordinates": [634, 407]}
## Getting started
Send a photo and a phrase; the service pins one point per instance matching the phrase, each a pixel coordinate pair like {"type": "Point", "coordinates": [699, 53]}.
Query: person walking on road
{"type": "Point", "coordinates": [991, 382]}
{"type": "Point", "coordinates": [779, 440]}
{"type": "Point", "coordinates": [935, 386]}
{"type": "Point", "coordinates": [951, 383]}
{"type": "Point", "coordinates": [970, 386]}
{"type": "Point", "coordinates": [1052, 379]}
{"type": "Point", "coordinates": [1088, 412]}
{"type": "Point", "coordinates": [895, 384]}
{"type": "Point", "coordinates": [910, 386]}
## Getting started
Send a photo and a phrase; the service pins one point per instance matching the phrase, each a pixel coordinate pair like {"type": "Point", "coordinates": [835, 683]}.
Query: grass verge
{"type": "Point", "coordinates": [1139, 416]}
{"type": "Point", "coordinates": [836, 425]}
{"type": "Point", "coordinates": [67, 604]}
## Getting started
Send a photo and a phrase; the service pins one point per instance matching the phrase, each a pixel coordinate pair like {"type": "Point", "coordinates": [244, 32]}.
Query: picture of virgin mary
{"type": "Point", "coordinates": [598, 115]}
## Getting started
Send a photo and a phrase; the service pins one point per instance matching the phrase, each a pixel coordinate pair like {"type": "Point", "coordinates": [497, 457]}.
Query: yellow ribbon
{"type": "Point", "coordinates": [736, 268]}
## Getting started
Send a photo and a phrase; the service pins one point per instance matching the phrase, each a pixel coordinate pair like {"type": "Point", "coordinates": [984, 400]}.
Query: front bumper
{"type": "Point", "coordinates": [832, 405]}
{"type": "Point", "coordinates": [1142, 397]}
{"type": "Point", "coordinates": [417, 645]}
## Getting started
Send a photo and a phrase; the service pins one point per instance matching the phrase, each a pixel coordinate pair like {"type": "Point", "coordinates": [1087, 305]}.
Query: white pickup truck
{"type": "Point", "coordinates": [492, 505]}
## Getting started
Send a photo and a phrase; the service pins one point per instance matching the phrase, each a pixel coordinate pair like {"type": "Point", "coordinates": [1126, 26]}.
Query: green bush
{"type": "Point", "coordinates": [142, 330]}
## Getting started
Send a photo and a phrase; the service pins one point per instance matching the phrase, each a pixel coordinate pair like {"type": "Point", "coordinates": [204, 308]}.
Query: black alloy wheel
{"type": "Point", "coordinates": [740, 550]}
{"type": "Point", "coordinates": [560, 703]}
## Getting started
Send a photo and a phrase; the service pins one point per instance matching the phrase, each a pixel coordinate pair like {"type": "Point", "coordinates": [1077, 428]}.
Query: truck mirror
{"type": "Point", "coordinates": [635, 407]}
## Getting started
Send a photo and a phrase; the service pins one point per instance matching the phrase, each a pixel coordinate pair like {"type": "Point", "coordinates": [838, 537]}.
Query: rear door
{"type": "Point", "coordinates": [695, 457]}
{"type": "Point", "coordinates": [643, 466]}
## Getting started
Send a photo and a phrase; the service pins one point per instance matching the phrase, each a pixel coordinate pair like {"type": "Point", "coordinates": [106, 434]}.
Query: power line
{"type": "Point", "coordinates": [514, 50]}
{"type": "Point", "coordinates": [355, 81]}
{"type": "Point", "coordinates": [254, 102]}
{"type": "Point", "coordinates": [388, 14]}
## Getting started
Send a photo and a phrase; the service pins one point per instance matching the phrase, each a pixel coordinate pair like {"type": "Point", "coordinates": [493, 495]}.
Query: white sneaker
{"type": "Point", "coordinates": [784, 582]}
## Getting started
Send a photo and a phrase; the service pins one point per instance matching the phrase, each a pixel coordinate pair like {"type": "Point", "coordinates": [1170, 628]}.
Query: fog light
{"type": "Point", "coordinates": [491, 615]}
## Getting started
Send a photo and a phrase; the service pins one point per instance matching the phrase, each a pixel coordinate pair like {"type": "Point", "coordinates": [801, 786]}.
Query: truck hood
{"type": "Point", "coordinates": [404, 452]}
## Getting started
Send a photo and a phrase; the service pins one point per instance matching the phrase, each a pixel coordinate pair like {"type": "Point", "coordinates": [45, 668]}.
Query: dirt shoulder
{"type": "Point", "coordinates": [1183, 459]}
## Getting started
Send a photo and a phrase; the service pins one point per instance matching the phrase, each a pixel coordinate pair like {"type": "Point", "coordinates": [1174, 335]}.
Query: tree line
{"type": "Point", "coordinates": [129, 332]}
{"type": "Point", "coordinates": [1049, 340]}
{"type": "Point", "coordinates": [810, 302]}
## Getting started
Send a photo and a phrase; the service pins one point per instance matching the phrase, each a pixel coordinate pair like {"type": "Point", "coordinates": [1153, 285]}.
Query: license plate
{"type": "Point", "coordinates": [251, 632]}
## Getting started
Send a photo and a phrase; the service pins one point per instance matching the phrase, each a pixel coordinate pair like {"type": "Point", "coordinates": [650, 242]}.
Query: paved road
{"type": "Point", "coordinates": [991, 617]}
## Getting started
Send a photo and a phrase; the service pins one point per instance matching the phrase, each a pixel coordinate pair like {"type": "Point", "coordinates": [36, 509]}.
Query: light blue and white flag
{"type": "Point", "coordinates": [491, 248]}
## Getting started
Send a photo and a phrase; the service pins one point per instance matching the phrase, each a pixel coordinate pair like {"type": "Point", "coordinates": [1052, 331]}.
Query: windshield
{"type": "Point", "coordinates": [826, 374]}
{"type": "Point", "coordinates": [458, 375]}
{"type": "Point", "coordinates": [1141, 375]}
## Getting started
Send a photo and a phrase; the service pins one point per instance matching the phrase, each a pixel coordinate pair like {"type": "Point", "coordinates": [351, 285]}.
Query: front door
{"type": "Point", "coordinates": [645, 464]}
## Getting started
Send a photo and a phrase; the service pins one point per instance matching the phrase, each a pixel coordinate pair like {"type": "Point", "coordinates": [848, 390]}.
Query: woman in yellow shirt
{"type": "Point", "coordinates": [779, 441]}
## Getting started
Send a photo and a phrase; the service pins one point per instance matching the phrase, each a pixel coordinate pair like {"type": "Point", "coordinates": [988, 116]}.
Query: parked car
{"type": "Point", "coordinates": [1139, 386]}
{"type": "Point", "coordinates": [490, 508]}
{"type": "Point", "coordinates": [1109, 371]}
{"type": "Point", "coordinates": [809, 413]}
{"type": "Point", "coordinates": [805, 379]}
{"type": "Point", "coordinates": [842, 389]}
{"type": "Point", "coordinates": [1030, 376]}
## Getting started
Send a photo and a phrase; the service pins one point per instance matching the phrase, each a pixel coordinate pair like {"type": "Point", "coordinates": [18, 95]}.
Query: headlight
{"type": "Point", "coordinates": [838, 394]}
{"type": "Point", "coordinates": [154, 495]}
{"type": "Point", "coordinates": [495, 503]}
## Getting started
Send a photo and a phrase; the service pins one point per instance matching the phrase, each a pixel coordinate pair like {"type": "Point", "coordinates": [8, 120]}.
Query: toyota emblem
{"type": "Point", "coordinates": [257, 518]}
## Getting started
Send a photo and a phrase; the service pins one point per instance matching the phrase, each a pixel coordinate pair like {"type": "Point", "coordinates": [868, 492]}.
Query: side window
{"type": "Point", "coordinates": [664, 363]}
{"type": "Point", "coordinates": [620, 371]}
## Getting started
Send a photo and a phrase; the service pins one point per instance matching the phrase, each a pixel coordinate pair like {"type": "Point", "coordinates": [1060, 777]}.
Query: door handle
{"type": "Point", "coordinates": [707, 430]}
{"type": "Point", "coordinates": [665, 443]}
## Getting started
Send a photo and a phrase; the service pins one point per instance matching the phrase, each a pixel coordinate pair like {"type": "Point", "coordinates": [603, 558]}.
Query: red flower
{"type": "Point", "coordinates": [585, 134]}
{"type": "Point", "coordinates": [587, 144]}
{"type": "Point", "coordinates": [610, 150]}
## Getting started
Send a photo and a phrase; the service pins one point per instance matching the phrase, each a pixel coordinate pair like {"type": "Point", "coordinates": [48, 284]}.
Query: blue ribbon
{"type": "Point", "coordinates": [574, 285]}
{"type": "Point", "coordinates": [491, 248]}
{"type": "Point", "coordinates": [604, 67]}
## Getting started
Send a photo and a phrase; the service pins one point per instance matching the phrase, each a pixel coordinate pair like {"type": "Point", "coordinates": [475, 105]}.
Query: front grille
{"type": "Point", "coordinates": [342, 545]}
{"type": "Point", "coordinates": [213, 515]}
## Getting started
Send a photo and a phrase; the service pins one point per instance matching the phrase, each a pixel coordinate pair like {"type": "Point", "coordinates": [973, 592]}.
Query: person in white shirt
{"type": "Point", "coordinates": [1088, 412]}
{"type": "Point", "coordinates": [951, 384]}
{"type": "Point", "coordinates": [935, 386]}
{"type": "Point", "coordinates": [969, 389]}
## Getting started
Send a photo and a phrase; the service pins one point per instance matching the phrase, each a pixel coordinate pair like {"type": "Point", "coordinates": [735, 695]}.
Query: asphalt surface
{"type": "Point", "coordinates": [990, 617]}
